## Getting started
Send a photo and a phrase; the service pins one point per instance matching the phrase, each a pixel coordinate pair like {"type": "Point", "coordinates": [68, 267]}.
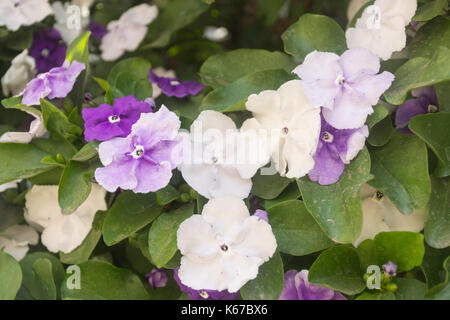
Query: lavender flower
{"type": "Point", "coordinates": [297, 287]}
{"type": "Point", "coordinates": [97, 30]}
{"type": "Point", "coordinates": [157, 278]}
{"type": "Point", "coordinates": [390, 268]}
{"type": "Point", "coordinates": [57, 83]}
{"type": "Point", "coordinates": [204, 294]}
{"type": "Point", "coordinates": [173, 87]}
{"type": "Point", "coordinates": [48, 50]}
{"type": "Point", "coordinates": [143, 161]}
{"type": "Point", "coordinates": [346, 86]}
{"type": "Point", "coordinates": [335, 149]}
{"type": "Point", "coordinates": [262, 215]}
{"type": "Point", "coordinates": [106, 122]}
{"type": "Point", "coordinates": [425, 102]}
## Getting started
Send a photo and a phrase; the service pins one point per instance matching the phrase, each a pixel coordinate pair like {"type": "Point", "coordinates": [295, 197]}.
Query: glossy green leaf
{"type": "Point", "coordinates": [432, 265]}
{"type": "Point", "coordinates": [409, 289]}
{"type": "Point", "coordinates": [45, 283]}
{"type": "Point", "coordinates": [268, 186]}
{"type": "Point", "coordinates": [442, 290]}
{"type": "Point", "coordinates": [430, 10]}
{"type": "Point", "coordinates": [10, 276]}
{"type": "Point", "coordinates": [56, 122]}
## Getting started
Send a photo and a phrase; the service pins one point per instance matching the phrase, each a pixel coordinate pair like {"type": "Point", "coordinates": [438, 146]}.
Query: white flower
{"type": "Point", "coordinates": [37, 130]}
{"type": "Point", "coordinates": [381, 28]}
{"type": "Point", "coordinates": [69, 23]}
{"type": "Point", "coordinates": [224, 246]}
{"type": "Point", "coordinates": [354, 7]}
{"type": "Point", "coordinates": [9, 185]}
{"type": "Point", "coordinates": [15, 240]}
{"type": "Point", "coordinates": [16, 13]}
{"type": "Point", "coordinates": [61, 232]}
{"type": "Point", "coordinates": [84, 5]}
{"type": "Point", "coordinates": [161, 72]}
{"type": "Point", "coordinates": [292, 123]}
{"type": "Point", "coordinates": [209, 166]}
{"type": "Point", "coordinates": [128, 32]}
{"type": "Point", "coordinates": [22, 70]}
{"type": "Point", "coordinates": [380, 215]}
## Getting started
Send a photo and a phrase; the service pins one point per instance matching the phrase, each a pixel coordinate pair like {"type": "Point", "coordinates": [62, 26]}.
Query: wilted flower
{"type": "Point", "coordinates": [36, 130]}
{"type": "Point", "coordinates": [15, 240]}
{"type": "Point", "coordinates": [22, 70]}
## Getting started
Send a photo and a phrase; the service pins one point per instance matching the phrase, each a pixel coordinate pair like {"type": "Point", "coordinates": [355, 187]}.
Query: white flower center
{"type": "Point", "coordinates": [432, 108]}
{"type": "Point", "coordinates": [327, 137]}
{"type": "Point", "coordinates": [214, 159]}
{"type": "Point", "coordinates": [340, 80]}
{"type": "Point", "coordinates": [138, 152]}
{"type": "Point", "coordinates": [113, 119]}
{"type": "Point", "coordinates": [174, 82]}
{"type": "Point", "coordinates": [45, 52]}
{"type": "Point", "coordinates": [204, 294]}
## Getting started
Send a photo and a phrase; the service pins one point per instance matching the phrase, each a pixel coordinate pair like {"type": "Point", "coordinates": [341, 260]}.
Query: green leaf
{"type": "Point", "coordinates": [401, 172]}
{"type": "Point", "coordinates": [313, 32]}
{"type": "Point", "coordinates": [84, 250]}
{"type": "Point", "coordinates": [37, 278]}
{"type": "Point", "coordinates": [10, 276]}
{"type": "Point", "coordinates": [443, 95]}
{"type": "Point", "coordinates": [130, 76]}
{"type": "Point", "coordinates": [437, 225]}
{"type": "Point", "coordinates": [409, 289]}
{"type": "Point", "coordinates": [87, 152]}
{"type": "Point", "coordinates": [381, 133]}
{"type": "Point", "coordinates": [386, 295]}
{"type": "Point", "coordinates": [337, 207]}
{"type": "Point", "coordinates": [296, 231]}
{"type": "Point", "coordinates": [417, 73]}
{"type": "Point", "coordinates": [167, 195]}
{"type": "Point", "coordinates": [270, 10]}
{"type": "Point", "coordinates": [338, 268]}
{"type": "Point", "coordinates": [268, 187]}
{"type": "Point", "coordinates": [175, 16]}
{"type": "Point", "coordinates": [269, 283]}
{"type": "Point", "coordinates": [430, 10]}
{"type": "Point", "coordinates": [233, 96]}
{"type": "Point", "coordinates": [432, 265]}
{"type": "Point", "coordinates": [103, 281]}
{"type": "Point", "coordinates": [406, 249]}
{"type": "Point", "coordinates": [16, 103]}
{"type": "Point", "coordinates": [429, 38]}
{"type": "Point", "coordinates": [130, 213]}
{"type": "Point", "coordinates": [441, 291]}
{"type": "Point", "coordinates": [290, 193]}
{"type": "Point", "coordinates": [225, 68]}
{"type": "Point", "coordinates": [434, 129]}
{"type": "Point", "coordinates": [56, 122]}
{"type": "Point", "coordinates": [379, 113]}
{"type": "Point", "coordinates": [21, 161]}
{"type": "Point", "coordinates": [75, 185]}
{"type": "Point", "coordinates": [162, 237]}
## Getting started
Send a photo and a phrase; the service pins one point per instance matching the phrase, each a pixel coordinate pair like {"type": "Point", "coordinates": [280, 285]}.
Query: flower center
{"type": "Point", "coordinates": [224, 248]}
{"type": "Point", "coordinates": [339, 80]}
{"type": "Point", "coordinates": [174, 82]}
{"type": "Point", "coordinates": [138, 152]}
{"type": "Point", "coordinates": [16, 4]}
{"type": "Point", "coordinates": [327, 137]}
{"type": "Point", "coordinates": [432, 108]}
{"type": "Point", "coordinates": [45, 52]}
{"type": "Point", "coordinates": [285, 130]}
{"type": "Point", "coordinates": [379, 195]}
{"type": "Point", "coordinates": [204, 294]}
{"type": "Point", "coordinates": [113, 119]}
{"type": "Point", "coordinates": [214, 159]}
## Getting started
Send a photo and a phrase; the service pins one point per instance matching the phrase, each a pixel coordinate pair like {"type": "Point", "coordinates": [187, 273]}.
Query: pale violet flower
{"type": "Point", "coordinates": [17, 13]}
{"type": "Point", "coordinates": [380, 215]}
{"type": "Point", "coordinates": [381, 28]}
{"type": "Point", "coordinates": [345, 86]}
{"type": "Point", "coordinates": [144, 160]}
{"type": "Point", "coordinates": [223, 247]}
{"type": "Point", "coordinates": [61, 232]}
{"type": "Point", "coordinates": [209, 166]}
{"type": "Point", "coordinates": [22, 70]}
{"type": "Point", "coordinates": [290, 123]}
{"type": "Point", "coordinates": [16, 239]}
{"type": "Point", "coordinates": [128, 32]}
{"type": "Point", "coordinates": [69, 22]}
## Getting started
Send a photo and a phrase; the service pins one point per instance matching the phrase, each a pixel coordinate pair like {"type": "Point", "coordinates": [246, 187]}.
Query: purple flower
{"type": "Point", "coordinates": [157, 278]}
{"type": "Point", "coordinates": [204, 294]}
{"type": "Point", "coordinates": [346, 86]}
{"type": "Point", "coordinates": [143, 161]}
{"type": "Point", "coordinates": [335, 149]}
{"type": "Point", "coordinates": [262, 215]}
{"type": "Point", "coordinates": [173, 87]}
{"type": "Point", "coordinates": [297, 287]}
{"type": "Point", "coordinates": [425, 102]}
{"type": "Point", "coordinates": [48, 50]}
{"type": "Point", "coordinates": [390, 268]}
{"type": "Point", "coordinates": [57, 83]}
{"type": "Point", "coordinates": [97, 30]}
{"type": "Point", "coordinates": [106, 122]}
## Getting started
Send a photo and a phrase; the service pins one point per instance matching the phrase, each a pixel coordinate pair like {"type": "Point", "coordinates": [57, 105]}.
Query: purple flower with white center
{"type": "Point", "coordinates": [157, 278]}
{"type": "Point", "coordinates": [97, 30]}
{"type": "Point", "coordinates": [425, 102]}
{"type": "Point", "coordinates": [57, 83]}
{"type": "Point", "coordinates": [48, 50]}
{"type": "Point", "coordinates": [346, 86]}
{"type": "Point", "coordinates": [262, 215]}
{"type": "Point", "coordinates": [172, 87]}
{"type": "Point", "coordinates": [143, 161]}
{"type": "Point", "coordinates": [106, 122]}
{"type": "Point", "coordinates": [297, 287]}
{"type": "Point", "coordinates": [335, 149]}
{"type": "Point", "coordinates": [390, 268]}
{"type": "Point", "coordinates": [204, 294]}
